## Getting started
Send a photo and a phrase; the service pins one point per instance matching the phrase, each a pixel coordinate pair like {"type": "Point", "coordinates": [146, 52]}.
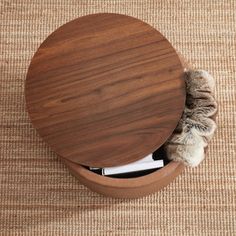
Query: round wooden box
{"type": "Point", "coordinates": [106, 90]}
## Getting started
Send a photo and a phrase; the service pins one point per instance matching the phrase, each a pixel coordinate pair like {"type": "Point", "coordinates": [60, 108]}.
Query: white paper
{"type": "Point", "coordinates": [136, 166]}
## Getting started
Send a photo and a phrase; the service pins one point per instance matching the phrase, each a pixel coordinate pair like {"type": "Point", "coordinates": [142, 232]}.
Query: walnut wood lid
{"type": "Point", "coordinates": [105, 90]}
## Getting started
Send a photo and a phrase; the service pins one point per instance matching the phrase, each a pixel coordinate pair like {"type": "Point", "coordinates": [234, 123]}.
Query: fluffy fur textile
{"type": "Point", "coordinates": [196, 127]}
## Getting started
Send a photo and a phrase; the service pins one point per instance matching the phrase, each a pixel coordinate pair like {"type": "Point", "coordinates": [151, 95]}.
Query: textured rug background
{"type": "Point", "coordinates": [38, 196]}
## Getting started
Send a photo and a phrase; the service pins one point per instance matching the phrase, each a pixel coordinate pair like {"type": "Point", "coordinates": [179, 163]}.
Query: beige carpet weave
{"type": "Point", "coordinates": [38, 196]}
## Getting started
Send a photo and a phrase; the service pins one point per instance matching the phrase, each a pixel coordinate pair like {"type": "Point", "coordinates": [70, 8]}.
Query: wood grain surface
{"type": "Point", "coordinates": [105, 90]}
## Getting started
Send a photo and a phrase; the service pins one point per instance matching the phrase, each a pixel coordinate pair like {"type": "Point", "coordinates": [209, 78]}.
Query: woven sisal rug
{"type": "Point", "coordinates": [38, 196]}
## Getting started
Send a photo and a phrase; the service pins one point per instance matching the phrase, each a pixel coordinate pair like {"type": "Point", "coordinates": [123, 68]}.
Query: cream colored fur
{"type": "Point", "coordinates": [196, 127]}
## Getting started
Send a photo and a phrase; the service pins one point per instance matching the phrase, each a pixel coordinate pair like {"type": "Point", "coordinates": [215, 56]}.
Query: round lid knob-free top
{"type": "Point", "coordinates": [105, 90]}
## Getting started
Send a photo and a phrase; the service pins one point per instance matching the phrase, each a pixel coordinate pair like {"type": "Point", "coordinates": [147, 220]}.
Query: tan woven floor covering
{"type": "Point", "coordinates": [38, 196]}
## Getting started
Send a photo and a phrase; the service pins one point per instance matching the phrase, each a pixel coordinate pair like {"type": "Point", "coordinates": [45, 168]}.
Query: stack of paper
{"type": "Point", "coordinates": [146, 163]}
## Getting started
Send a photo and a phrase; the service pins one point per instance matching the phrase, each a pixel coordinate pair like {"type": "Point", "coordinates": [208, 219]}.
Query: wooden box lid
{"type": "Point", "coordinates": [105, 90]}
